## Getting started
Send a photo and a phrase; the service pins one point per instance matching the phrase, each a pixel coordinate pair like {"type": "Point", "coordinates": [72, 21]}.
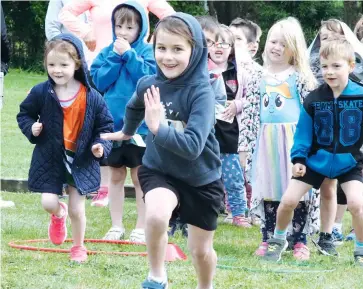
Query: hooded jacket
{"type": "Point", "coordinates": [117, 75]}
{"type": "Point", "coordinates": [185, 146]}
{"type": "Point", "coordinates": [313, 52]}
{"type": "Point", "coordinates": [47, 170]}
{"type": "Point", "coordinates": [329, 133]}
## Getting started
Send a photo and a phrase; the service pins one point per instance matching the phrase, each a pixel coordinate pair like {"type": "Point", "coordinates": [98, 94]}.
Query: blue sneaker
{"type": "Point", "coordinates": [337, 237]}
{"type": "Point", "coordinates": [350, 236]}
{"type": "Point", "coordinates": [151, 284]}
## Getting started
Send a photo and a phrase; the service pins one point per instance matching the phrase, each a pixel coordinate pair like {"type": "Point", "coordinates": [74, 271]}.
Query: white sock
{"type": "Point", "coordinates": [158, 279]}
{"type": "Point", "coordinates": [338, 226]}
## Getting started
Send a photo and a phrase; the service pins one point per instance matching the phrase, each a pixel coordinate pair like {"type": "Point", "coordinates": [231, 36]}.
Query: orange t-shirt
{"type": "Point", "coordinates": [74, 110]}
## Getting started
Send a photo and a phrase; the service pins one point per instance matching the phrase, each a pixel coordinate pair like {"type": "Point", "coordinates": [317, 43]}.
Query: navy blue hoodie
{"type": "Point", "coordinates": [329, 133]}
{"type": "Point", "coordinates": [185, 146]}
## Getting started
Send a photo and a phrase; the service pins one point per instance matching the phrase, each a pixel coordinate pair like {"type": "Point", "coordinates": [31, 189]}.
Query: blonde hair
{"type": "Point", "coordinates": [295, 42]}
{"type": "Point", "coordinates": [338, 47]}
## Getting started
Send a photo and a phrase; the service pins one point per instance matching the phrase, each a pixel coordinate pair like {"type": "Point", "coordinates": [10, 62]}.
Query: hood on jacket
{"type": "Point", "coordinates": [81, 73]}
{"type": "Point", "coordinates": [197, 69]}
{"type": "Point", "coordinates": [314, 48]}
{"type": "Point", "coordinates": [144, 23]}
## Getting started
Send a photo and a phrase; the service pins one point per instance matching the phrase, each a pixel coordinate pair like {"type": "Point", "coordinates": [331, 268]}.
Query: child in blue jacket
{"type": "Point", "coordinates": [115, 72]}
{"type": "Point", "coordinates": [327, 144]}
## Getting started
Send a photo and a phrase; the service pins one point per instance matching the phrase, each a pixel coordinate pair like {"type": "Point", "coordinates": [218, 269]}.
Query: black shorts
{"type": "Point", "coordinates": [197, 206]}
{"type": "Point", "coordinates": [128, 155]}
{"type": "Point", "coordinates": [315, 179]}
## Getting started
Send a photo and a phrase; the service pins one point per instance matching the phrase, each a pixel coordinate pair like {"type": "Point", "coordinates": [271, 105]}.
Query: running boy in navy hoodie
{"type": "Point", "coordinates": [327, 144]}
{"type": "Point", "coordinates": [181, 167]}
{"type": "Point", "coordinates": [116, 71]}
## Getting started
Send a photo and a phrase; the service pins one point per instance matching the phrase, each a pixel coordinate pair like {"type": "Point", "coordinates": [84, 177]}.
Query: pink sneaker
{"type": "Point", "coordinates": [57, 230]}
{"type": "Point", "coordinates": [262, 249]}
{"type": "Point", "coordinates": [301, 252]}
{"type": "Point", "coordinates": [79, 254]}
{"type": "Point", "coordinates": [101, 199]}
{"type": "Point", "coordinates": [240, 221]}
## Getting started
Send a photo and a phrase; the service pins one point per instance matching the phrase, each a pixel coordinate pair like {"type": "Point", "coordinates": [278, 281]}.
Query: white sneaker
{"type": "Point", "coordinates": [114, 234]}
{"type": "Point", "coordinates": [138, 236]}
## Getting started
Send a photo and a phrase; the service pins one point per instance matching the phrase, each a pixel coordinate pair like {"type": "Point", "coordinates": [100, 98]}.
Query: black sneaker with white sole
{"type": "Point", "coordinates": [325, 245]}
{"type": "Point", "coordinates": [275, 249]}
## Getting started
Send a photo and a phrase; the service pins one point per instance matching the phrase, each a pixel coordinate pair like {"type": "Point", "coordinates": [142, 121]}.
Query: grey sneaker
{"type": "Point", "coordinates": [275, 249]}
{"type": "Point", "coordinates": [325, 245]}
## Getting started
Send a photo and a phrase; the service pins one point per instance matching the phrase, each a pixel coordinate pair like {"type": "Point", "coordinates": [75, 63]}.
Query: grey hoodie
{"type": "Point", "coordinates": [185, 146]}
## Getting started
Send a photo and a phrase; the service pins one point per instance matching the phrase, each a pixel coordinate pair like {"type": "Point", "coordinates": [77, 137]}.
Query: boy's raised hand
{"type": "Point", "coordinates": [298, 170]}
{"type": "Point", "coordinates": [117, 136]}
{"type": "Point", "coordinates": [37, 128]}
{"type": "Point", "coordinates": [120, 46]}
{"type": "Point", "coordinates": [152, 109]}
{"type": "Point", "coordinates": [97, 150]}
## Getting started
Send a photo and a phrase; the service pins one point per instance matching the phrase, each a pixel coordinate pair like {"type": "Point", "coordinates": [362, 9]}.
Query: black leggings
{"type": "Point", "coordinates": [298, 222]}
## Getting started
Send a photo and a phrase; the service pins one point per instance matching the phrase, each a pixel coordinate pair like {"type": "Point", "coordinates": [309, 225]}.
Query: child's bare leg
{"type": "Point", "coordinates": [200, 243]}
{"type": "Point", "coordinates": [77, 214]}
{"type": "Point", "coordinates": [278, 244]}
{"type": "Point", "coordinates": [140, 205]}
{"type": "Point", "coordinates": [105, 176]}
{"type": "Point", "coordinates": [116, 194]}
{"type": "Point", "coordinates": [354, 193]}
{"type": "Point", "coordinates": [295, 191]}
{"type": "Point", "coordinates": [160, 203]}
{"type": "Point", "coordinates": [328, 206]}
{"type": "Point", "coordinates": [341, 209]}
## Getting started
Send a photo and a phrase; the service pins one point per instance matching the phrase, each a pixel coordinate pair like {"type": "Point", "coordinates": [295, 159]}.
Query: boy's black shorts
{"type": "Point", "coordinates": [128, 155]}
{"type": "Point", "coordinates": [315, 179]}
{"type": "Point", "coordinates": [197, 206]}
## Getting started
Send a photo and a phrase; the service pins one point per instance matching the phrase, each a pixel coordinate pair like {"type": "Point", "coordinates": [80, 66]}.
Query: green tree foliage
{"type": "Point", "coordinates": [25, 24]}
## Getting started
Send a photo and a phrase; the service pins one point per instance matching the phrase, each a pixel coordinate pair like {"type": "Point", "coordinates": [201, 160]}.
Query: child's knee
{"type": "Point", "coordinates": [50, 202]}
{"type": "Point", "coordinates": [76, 213]}
{"type": "Point", "coordinates": [200, 252]}
{"type": "Point", "coordinates": [157, 220]}
{"type": "Point", "coordinates": [118, 175]}
{"type": "Point", "coordinates": [288, 203]}
{"type": "Point", "coordinates": [355, 208]}
{"type": "Point", "coordinates": [328, 193]}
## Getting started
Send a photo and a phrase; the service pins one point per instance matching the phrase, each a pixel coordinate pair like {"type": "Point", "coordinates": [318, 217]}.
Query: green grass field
{"type": "Point", "coordinates": [234, 246]}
